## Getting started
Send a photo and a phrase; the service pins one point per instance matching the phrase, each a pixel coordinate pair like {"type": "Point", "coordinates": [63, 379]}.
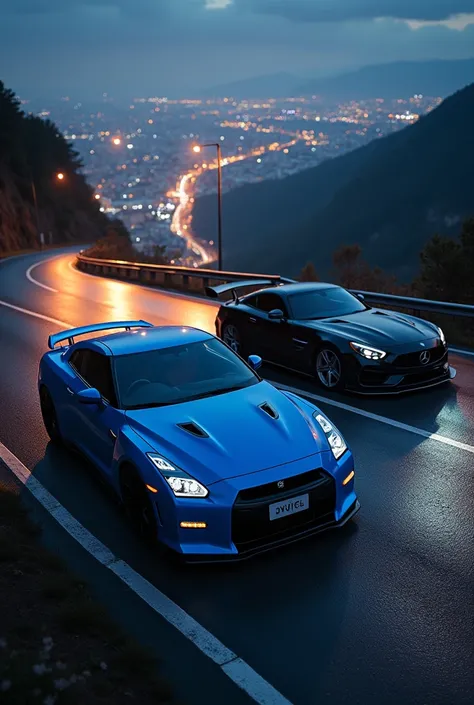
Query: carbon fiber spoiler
{"type": "Point", "coordinates": [70, 334]}
{"type": "Point", "coordinates": [215, 291]}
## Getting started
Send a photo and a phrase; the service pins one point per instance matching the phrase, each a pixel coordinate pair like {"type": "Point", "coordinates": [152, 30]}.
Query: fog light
{"type": "Point", "coordinates": [193, 525]}
{"type": "Point", "coordinates": [348, 478]}
{"type": "Point", "coordinates": [446, 365]}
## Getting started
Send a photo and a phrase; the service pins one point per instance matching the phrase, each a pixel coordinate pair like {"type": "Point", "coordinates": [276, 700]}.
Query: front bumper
{"type": "Point", "coordinates": [237, 512]}
{"type": "Point", "coordinates": [400, 372]}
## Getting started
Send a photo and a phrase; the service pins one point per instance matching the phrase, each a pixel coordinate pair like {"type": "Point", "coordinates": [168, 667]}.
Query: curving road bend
{"type": "Point", "coordinates": [379, 612]}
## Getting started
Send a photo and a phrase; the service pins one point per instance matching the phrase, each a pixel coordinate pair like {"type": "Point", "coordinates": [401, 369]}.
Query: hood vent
{"type": "Point", "coordinates": [269, 410]}
{"type": "Point", "coordinates": [193, 429]}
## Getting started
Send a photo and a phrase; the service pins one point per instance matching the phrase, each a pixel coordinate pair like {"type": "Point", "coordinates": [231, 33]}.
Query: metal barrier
{"type": "Point", "coordinates": [198, 280]}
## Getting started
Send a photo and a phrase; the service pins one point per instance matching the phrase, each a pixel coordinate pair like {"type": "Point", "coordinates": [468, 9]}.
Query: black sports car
{"type": "Point", "coordinates": [325, 331]}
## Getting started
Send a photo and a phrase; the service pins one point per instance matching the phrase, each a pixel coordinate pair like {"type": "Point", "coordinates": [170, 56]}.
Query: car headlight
{"type": "Point", "coordinates": [442, 336]}
{"type": "Point", "coordinates": [368, 352]}
{"type": "Point", "coordinates": [182, 484]}
{"type": "Point", "coordinates": [335, 440]}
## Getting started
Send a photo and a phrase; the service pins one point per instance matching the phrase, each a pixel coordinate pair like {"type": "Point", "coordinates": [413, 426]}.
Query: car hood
{"type": "Point", "coordinates": [240, 437]}
{"type": "Point", "coordinates": [377, 327]}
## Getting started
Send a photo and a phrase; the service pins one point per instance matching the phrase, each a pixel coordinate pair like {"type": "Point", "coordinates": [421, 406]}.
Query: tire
{"type": "Point", "coordinates": [138, 506]}
{"type": "Point", "coordinates": [49, 415]}
{"type": "Point", "coordinates": [329, 370]}
{"type": "Point", "coordinates": [231, 336]}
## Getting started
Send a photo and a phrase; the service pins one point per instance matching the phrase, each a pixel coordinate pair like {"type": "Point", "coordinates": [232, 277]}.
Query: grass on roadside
{"type": "Point", "coordinates": [57, 645]}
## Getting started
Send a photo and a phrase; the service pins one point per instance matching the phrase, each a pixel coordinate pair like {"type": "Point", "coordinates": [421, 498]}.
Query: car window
{"type": "Point", "coordinates": [324, 303]}
{"type": "Point", "coordinates": [266, 302]}
{"type": "Point", "coordinates": [269, 302]}
{"type": "Point", "coordinates": [180, 374]}
{"type": "Point", "coordinates": [96, 371]}
{"type": "Point", "coordinates": [76, 360]}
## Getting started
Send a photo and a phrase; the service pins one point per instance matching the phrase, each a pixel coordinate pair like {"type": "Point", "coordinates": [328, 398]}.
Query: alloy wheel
{"type": "Point", "coordinates": [328, 368]}
{"type": "Point", "coordinates": [231, 337]}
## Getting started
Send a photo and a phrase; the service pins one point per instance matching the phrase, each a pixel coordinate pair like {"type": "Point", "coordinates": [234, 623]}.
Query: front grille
{"type": "Point", "coordinates": [272, 490]}
{"type": "Point", "coordinates": [251, 525]}
{"type": "Point", "coordinates": [413, 359]}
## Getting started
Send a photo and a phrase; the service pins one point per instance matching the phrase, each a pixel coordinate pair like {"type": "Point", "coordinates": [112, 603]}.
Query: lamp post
{"type": "Point", "coordinates": [60, 176]}
{"type": "Point", "coordinates": [197, 149]}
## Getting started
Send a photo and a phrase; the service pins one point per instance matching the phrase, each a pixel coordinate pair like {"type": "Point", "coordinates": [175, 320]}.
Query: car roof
{"type": "Point", "coordinates": [297, 288]}
{"type": "Point", "coordinates": [146, 339]}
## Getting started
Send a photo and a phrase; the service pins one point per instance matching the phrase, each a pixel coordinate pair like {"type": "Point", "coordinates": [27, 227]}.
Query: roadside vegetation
{"type": "Point", "coordinates": [446, 274]}
{"type": "Point", "coordinates": [57, 645]}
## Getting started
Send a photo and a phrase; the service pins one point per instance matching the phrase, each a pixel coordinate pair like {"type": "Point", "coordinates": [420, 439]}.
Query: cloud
{"type": "Point", "coordinates": [343, 10]}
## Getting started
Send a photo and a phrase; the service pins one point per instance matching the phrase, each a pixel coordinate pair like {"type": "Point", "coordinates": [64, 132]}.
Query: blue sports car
{"type": "Point", "coordinates": [207, 457]}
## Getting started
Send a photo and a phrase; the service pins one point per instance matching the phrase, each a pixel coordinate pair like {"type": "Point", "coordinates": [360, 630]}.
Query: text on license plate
{"type": "Point", "coordinates": [289, 506]}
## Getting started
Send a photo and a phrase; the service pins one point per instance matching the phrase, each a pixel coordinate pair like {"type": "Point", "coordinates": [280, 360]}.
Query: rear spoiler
{"type": "Point", "coordinates": [215, 291]}
{"type": "Point", "coordinates": [70, 334]}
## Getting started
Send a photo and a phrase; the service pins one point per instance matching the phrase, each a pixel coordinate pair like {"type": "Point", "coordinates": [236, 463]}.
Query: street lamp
{"type": "Point", "coordinates": [60, 176]}
{"type": "Point", "coordinates": [197, 148]}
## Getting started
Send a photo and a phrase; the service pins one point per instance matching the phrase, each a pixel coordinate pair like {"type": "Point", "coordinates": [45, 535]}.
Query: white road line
{"type": "Point", "coordinates": [332, 402]}
{"type": "Point", "coordinates": [63, 324]}
{"type": "Point", "coordinates": [234, 667]}
{"type": "Point", "coordinates": [35, 281]}
{"type": "Point", "coordinates": [382, 419]}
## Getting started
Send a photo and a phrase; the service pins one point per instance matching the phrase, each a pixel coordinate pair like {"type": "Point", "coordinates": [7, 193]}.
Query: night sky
{"type": "Point", "coordinates": [132, 48]}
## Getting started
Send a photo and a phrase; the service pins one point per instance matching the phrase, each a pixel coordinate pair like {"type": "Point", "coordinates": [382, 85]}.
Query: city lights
{"type": "Point", "coordinates": [116, 141]}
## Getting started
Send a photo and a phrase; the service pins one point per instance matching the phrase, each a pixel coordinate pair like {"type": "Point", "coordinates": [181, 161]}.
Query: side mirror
{"type": "Point", "coordinates": [276, 315]}
{"type": "Point", "coordinates": [361, 297]}
{"type": "Point", "coordinates": [255, 362]}
{"type": "Point", "coordinates": [89, 396]}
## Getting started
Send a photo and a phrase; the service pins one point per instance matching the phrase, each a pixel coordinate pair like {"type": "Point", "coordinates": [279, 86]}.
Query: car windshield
{"type": "Point", "coordinates": [180, 374]}
{"type": "Point", "coordinates": [325, 303]}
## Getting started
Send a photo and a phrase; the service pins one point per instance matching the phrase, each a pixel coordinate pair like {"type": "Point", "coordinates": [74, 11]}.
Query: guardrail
{"type": "Point", "coordinates": [198, 280]}
{"type": "Point", "coordinates": [413, 304]}
{"type": "Point", "coordinates": [166, 276]}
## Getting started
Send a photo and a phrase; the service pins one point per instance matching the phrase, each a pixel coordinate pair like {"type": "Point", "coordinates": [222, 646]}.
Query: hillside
{"type": "Point", "coordinates": [32, 154]}
{"type": "Point", "coordinates": [389, 196]}
{"type": "Point", "coordinates": [395, 80]}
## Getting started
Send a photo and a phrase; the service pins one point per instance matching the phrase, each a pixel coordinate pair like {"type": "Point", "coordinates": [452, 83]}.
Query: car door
{"type": "Point", "coordinates": [273, 334]}
{"type": "Point", "coordinates": [96, 425]}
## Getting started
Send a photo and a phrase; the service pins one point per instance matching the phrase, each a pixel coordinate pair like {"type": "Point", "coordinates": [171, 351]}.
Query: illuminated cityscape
{"type": "Point", "coordinates": [140, 161]}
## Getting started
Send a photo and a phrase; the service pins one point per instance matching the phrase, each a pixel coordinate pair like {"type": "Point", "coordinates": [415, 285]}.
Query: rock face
{"type": "Point", "coordinates": [33, 152]}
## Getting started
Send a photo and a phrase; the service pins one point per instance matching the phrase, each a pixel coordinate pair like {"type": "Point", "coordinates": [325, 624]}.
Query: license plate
{"type": "Point", "coordinates": [289, 506]}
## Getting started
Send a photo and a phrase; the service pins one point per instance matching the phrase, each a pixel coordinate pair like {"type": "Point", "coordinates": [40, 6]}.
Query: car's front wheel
{"type": "Point", "coordinates": [138, 506]}
{"type": "Point", "coordinates": [231, 337]}
{"type": "Point", "coordinates": [329, 370]}
{"type": "Point", "coordinates": [50, 418]}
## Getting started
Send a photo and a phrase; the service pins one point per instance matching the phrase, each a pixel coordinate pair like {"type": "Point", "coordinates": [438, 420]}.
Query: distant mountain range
{"type": "Point", "coordinates": [389, 196]}
{"type": "Point", "coordinates": [400, 79]}
{"type": "Point", "coordinates": [278, 85]}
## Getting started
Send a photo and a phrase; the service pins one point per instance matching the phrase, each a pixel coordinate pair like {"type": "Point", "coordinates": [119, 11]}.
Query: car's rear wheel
{"type": "Point", "coordinates": [50, 418]}
{"type": "Point", "coordinates": [329, 369]}
{"type": "Point", "coordinates": [138, 506]}
{"type": "Point", "coordinates": [231, 337]}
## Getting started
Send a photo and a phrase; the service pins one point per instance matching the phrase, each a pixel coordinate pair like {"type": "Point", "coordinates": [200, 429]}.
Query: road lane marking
{"type": "Point", "coordinates": [332, 402]}
{"type": "Point", "coordinates": [231, 664]}
{"type": "Point", "coordinates": [63, 324]}
{"type": "Point", "coordinates": [35, 281]}
{"type": "Point", "coordinates": [376, 417]}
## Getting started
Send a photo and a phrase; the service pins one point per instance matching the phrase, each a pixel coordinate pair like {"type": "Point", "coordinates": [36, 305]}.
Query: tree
{"type": "Point", "coordinates": [308, 273]}
{"type": "Point", "coordinates": [447, 267]}
{"type": "Point", "coordinates": [353, 272]}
